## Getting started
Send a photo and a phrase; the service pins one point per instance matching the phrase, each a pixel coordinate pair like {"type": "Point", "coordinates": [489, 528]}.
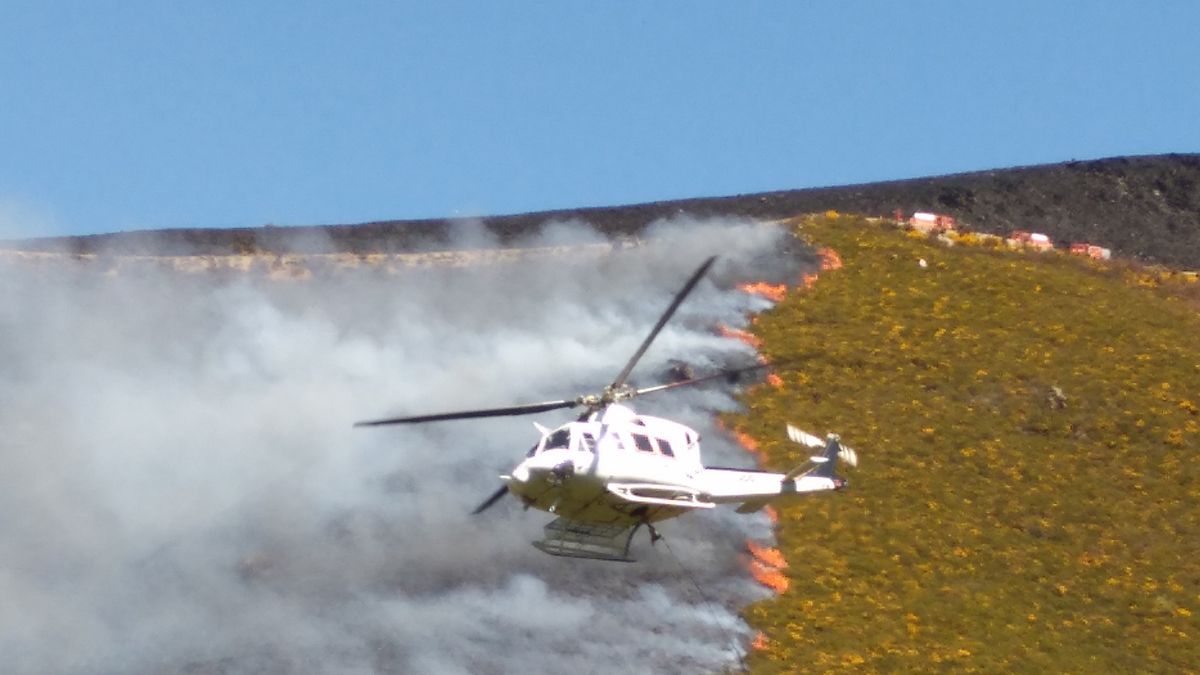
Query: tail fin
{"type": "Point", "coordinates": [826, 464]}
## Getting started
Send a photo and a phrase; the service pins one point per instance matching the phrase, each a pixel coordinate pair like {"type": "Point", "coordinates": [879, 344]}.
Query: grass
{"type": "Point", "coordinates": [987, 529]}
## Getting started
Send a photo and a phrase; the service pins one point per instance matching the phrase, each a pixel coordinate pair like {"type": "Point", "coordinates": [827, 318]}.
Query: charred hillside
{"type": "Point", "coordinates": [1142, 207]}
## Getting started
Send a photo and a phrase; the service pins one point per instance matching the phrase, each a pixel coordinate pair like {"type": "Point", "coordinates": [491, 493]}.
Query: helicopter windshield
{"type": "Point", "coordinates": [561, 438]}
{"type": "Point", "coordinates": [587, 442]}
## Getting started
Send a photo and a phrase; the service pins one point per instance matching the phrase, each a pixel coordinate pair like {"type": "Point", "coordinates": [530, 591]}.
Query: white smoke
{"type": "Point", "coordinates": [181, 489]}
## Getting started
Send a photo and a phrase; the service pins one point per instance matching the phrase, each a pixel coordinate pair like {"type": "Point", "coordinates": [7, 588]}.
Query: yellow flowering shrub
{"type": "Point", "coordinates": [1029, 491]}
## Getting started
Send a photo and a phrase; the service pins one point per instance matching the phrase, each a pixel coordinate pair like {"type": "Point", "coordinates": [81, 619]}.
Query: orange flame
{"type": "Point", "coordinates": [739, 334]}
{"type": "Point", "coordinates": [746, 441]}
{"type": "Point", "coordinates": [760, 641]}
{"type": "Point", "coordinates": [808, 280]}
{"type": "Point", "coordinates": [767, 556]}
{"type": "Point", "coordinates": [772, 514]}
{"type": "Point", "coordinates": [772, 292]}
{"type": "Point", "coordinates": [775, 380]}
{"type": "Point", "coordinates": [830, 260]}
{"type": "Point", "coordinates": [769, 577]}
{"type": "Point", "coordinates": [748, 444]}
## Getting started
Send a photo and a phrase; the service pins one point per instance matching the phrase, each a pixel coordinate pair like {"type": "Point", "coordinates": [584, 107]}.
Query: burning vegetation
{"type": "Point", "coordinates": [739, 334]}
{"type": "Point", "coordinates": [830, 260]}
{"type": "Point", "coordinates": [766, 564]}
{"type": "Point", "coordinates": [770, 577]}
{"type": "Point", "coordinates": [772, 292]}
{"type": "Point", "coordinates": [770, 557]}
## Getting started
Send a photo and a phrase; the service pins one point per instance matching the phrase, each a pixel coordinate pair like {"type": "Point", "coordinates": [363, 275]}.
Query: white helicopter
{"type": "Point", "coordinates": [612, 470]}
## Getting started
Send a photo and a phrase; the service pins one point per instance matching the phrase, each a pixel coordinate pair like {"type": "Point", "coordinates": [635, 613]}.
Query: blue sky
{"type": "Point", "coordinates": [135, 115]}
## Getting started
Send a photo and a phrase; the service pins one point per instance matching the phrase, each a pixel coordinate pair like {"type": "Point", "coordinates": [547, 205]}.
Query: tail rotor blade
{"type": "Point", "coordinates": [487, 503]}
{"type": "Point", "coordinates": [804, 438]}
{"type": "Point", "coordinates": [845, 453]}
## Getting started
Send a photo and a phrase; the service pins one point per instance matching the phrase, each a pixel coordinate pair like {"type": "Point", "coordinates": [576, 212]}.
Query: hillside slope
{"type": "Point", "coordinates": [993, 525]}
{"type": "Point", "coordinates": [1143, 207]}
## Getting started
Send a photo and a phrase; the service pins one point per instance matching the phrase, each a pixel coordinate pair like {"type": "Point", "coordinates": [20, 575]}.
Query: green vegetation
{"type": "Point", "coordinates": [992, 527]}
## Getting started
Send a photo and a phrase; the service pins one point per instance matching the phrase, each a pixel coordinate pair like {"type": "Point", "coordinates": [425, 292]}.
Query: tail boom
{"type": "Point", "coordinates": [754, 489]}
{"type": "Point", "coordinates": [725, 486]}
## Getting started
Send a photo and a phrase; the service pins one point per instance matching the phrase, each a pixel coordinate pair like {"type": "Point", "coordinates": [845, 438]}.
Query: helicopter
{"type": "Point", "coordinates": [612, 471]}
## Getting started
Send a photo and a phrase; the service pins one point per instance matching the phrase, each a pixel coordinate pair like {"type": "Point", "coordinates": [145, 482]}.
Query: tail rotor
{"type": "Point", "coordinates": [845, 453]}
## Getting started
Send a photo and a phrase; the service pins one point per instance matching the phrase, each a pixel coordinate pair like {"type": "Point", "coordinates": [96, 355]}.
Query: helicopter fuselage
{"type": "Point", "coordinates": [630, 468]}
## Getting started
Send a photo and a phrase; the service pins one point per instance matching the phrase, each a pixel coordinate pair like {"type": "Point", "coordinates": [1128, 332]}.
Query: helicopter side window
{"type": "Point", "coordinates": [642, 441]}
{"type": "Point", "coordinates": [665, 446]}
{"type": "Point", "coordinates": [559, 439]}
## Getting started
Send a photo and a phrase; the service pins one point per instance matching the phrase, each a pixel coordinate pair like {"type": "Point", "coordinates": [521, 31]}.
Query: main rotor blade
{"type": "Point", "coordinates": [487, 503]}
{"type": "Point", "coordinates": [472, 414]}
{"type": "Point", "coordinates": [662, 321]}
{"type": "Point", "coordinates": [732, 373]}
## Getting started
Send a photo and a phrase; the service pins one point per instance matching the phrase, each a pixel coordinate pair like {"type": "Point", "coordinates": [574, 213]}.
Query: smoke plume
{"type": "Point", "coordinates": [181, 489]}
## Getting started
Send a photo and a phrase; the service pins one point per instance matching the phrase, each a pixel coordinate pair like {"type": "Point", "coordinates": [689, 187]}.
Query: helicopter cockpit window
{"type": "Point", "coordinates": [532, 451]}
{"type": "Point", "coordinates": [642, 441]}
{"type": "Point", "coordinates": [559, 439]}
{"type": "Point", "coordinates": [588, 442]}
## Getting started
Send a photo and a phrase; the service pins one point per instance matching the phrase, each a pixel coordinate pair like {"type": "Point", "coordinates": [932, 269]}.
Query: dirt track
{"type": "Point", "coordinates": [288, 266]}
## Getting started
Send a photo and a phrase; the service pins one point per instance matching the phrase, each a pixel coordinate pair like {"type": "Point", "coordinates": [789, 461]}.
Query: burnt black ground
{"type": "Point", "coordinates": [1147, 208]}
